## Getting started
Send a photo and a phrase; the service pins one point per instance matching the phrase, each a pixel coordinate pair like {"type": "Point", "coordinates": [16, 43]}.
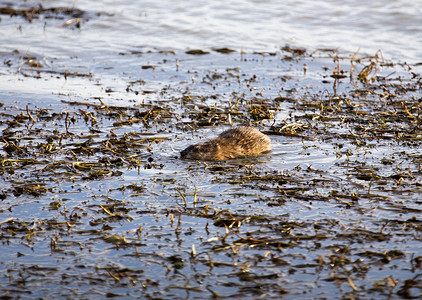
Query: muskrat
{"type": "Point", "coordinates": [236, 142]}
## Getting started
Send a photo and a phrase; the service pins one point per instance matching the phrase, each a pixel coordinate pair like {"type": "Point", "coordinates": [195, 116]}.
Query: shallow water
{"type": "Point", "coordinates": [333, 209]}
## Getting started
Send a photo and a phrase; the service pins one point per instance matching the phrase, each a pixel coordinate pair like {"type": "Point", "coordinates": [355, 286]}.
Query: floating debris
{"type": "Point", "coordinates": [197, 52]}
{"type": "Point", "coordinates": [100, 187]}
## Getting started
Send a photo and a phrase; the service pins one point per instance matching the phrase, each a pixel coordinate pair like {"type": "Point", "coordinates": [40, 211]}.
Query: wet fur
{"type": "Point", "coordinates": [236, 142]}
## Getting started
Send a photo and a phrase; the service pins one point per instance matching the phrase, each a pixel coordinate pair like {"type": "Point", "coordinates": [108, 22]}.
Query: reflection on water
{"type": "Point", "coordinates": [109, 27]}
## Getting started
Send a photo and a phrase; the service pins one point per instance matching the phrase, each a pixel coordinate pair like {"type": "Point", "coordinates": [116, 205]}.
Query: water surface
{"type": "Point", "coordinates": [96, 203]}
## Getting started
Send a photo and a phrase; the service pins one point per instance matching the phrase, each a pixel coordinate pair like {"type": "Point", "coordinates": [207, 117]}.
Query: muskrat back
{"type": "Point", "coordinates": [236, 142]}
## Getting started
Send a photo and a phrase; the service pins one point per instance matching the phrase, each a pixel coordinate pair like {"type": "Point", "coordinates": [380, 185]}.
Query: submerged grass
{"type": "Point", "coordinates": [89, 192]}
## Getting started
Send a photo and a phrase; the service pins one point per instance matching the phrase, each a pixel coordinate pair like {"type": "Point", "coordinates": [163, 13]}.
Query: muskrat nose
{"type": "Point", "coordinates": [185, 152]}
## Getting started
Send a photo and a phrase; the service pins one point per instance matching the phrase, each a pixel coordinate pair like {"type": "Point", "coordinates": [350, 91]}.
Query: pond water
{"type": "Point", "coordinates": [112, 26]}
{"type": "Point", "coordinates": [97, 99]}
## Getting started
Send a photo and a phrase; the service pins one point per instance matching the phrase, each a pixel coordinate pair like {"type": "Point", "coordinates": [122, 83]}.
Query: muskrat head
{"type": "Point", "coordinates": [190, 152]}
{"type": "Point", "coordinates": [200, 151]}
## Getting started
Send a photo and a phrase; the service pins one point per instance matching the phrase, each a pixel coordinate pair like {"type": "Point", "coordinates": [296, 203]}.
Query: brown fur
{"type": "Point", "coordinates": [236, 142]}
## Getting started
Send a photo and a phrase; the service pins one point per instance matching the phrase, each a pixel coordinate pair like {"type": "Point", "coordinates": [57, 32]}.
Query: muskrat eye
{"type": "Point", "coordinates": [195, 149]}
